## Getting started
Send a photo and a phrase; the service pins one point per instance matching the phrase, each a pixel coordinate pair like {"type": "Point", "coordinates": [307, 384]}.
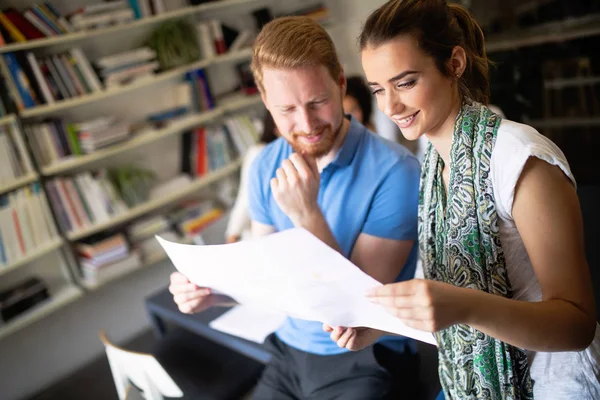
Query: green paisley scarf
{"type": "Point", "coordinates": [460, 245]}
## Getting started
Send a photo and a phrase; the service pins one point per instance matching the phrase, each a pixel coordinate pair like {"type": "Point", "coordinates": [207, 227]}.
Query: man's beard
{"type": "Point", "coordinates": [322, 147]}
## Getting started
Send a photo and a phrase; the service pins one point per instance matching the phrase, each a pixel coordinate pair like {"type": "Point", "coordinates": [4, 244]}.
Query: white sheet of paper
{"type": "Point", "coordinates": [247, 322]}
{"type": "Point", "coordinates": [293, 273]}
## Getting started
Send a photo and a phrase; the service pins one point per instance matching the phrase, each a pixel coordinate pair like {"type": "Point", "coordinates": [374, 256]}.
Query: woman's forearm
{"type": "Point", "coordinates": [550, 325]}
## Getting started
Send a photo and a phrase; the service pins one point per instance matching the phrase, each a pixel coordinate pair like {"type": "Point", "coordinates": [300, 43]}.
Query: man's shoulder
{"type": "Point", "coordinates": [382, 150]}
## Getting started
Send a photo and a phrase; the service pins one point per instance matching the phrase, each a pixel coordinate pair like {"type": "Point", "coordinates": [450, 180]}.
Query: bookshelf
{"type": "Point", "coordinates": [137, 24]}
{"type": "Point", "coordinates": [139, 140]}
{"type": "Point", "coordinates": [41, 251]}
{"type": "Point", "coordinates": [25, 180]}
{"type": "Point", "coordinates": [46, 109]}
{"type": "Point", "coordinates": [561, 31]}
{"type": "Point", "coordinates": [62, 297]}
{"type": "Point", "coordinates": [8, 119]}
{"type": "Point", "coordinates": [156, 204]}
{"type": "Point", "coordinates": [67, 283]}
{"type": "Point", "coordinates": [149, 262]}
{"type": "Point", "coordinates": [152, 136]}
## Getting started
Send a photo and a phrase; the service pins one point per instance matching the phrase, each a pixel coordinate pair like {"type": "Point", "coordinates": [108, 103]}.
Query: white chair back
{"type": "Point", "coordinates": [141, 369]}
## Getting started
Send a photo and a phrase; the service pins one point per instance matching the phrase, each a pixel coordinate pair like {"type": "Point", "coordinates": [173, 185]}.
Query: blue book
{"type": "Point", "coordinates": [136, 8]}
{"type": "Point", "coordinates": [19, 78]}
{"type": "Point", "coordinates": [37, 10]}
{"type": "Point", "coordinates": [3, 258]}
{"type": "Point", "coordinates": [201, 76]}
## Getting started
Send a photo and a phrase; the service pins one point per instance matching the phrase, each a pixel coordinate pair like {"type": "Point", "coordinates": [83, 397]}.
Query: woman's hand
{"type": "Point", "coordinates": [353, 339]}
{"type": "Point", "coordinates": [424, 304]}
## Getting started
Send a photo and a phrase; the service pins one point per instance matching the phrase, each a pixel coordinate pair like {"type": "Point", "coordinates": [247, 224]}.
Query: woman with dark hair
{"type": "Point", "coordinates": [239, 219]}
{"type": "Point", "coordinates": [358, 101]}
{"type": "Point", "coordinates": [507, 289]}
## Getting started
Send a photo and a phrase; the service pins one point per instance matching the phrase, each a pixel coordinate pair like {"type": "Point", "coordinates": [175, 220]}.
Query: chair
{"type": "Point", "coordinates": [143, 370]}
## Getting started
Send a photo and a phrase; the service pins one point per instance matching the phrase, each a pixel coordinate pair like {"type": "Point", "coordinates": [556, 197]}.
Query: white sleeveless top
{"type": "Point", "coordinates": [556, 376]}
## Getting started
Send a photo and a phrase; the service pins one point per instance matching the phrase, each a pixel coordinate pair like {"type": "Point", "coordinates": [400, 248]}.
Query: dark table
{"type": "Point", "coordinates": [161, 308]}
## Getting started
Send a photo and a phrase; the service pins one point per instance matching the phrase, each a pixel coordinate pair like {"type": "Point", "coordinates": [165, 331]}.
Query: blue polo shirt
{"type": "Point", "coordinates": [372, 187]}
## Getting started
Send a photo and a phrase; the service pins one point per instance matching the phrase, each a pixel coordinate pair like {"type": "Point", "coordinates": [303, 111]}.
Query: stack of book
{"type": "Point", "coordinates": [103, 258]}
{"type": "Point", "coordinates": [38, 21]}
{"type": "Point", "coordinates": [35, 80]}
{"type": "Point", "coordinates": [11, 163]}
{"type": "Point", "coordinates": [101, 132]}
{"type": "Point", "coordinates": [128, 66]}
{"type": "Point", "coordinates": [216, 38]}
{"type": "Point", "coordinates": [141, 234]}
{"type": "Point", "coordinates": [100, 15]}
{"type": "Point", "coordinates": [83, 200]}
{"type": "Point", "coordinates": [55, 140]}
{"type": "Point", "coordinates": [25, 223]}
{"type": "Point", "coordinates": [319, 13]}
{"type": "Point", "coordinates": [195, 216]}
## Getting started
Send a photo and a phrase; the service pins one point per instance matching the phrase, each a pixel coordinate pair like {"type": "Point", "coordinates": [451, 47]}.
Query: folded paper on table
{"type": "Point", "coordinates": [247, 322]}
{"type": "Point", "coordinates": [292, 273]}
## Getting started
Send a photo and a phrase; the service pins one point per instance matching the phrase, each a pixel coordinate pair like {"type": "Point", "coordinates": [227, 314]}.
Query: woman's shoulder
{"type": "Point", "coordinates": [515, 144]}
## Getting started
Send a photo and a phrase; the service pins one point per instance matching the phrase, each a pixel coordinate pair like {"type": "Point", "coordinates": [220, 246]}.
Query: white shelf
{"type": "Point", "coordinates": [41, 251]}
{"type": "Point", "coordinates": [17, 183]}
{"type": "Point", "coordinates": [59, 299]}
{"type": "Point", "coordinates": [226, 105]}
{"type": "Point", "coordinates": [7, 119]}
{"type": "Point", "coordinates": [564, 122]}
{"type": "Point", "coordinates": [144, 22]}
{"type": "Point", "coordinates": [46, 109]}
{"type": "Point", "coordinates": [573, 28]}
{"type": "Point", "coordinates": [139, 140]}
{"type": "Point", "coordinates": [571, 82]}
{"type": "Point", "coordinates": [156, 204]}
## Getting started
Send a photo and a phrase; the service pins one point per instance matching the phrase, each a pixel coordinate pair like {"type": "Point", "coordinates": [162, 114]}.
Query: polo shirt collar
{"type": "Point", "coordinates": [348, 149]}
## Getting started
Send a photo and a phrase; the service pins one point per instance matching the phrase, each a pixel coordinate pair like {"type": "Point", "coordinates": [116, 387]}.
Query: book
{"type": "Point", "coordinates": [41, 80]}
{"type": "Point", "coordinates": [216, 30]}
{"type": "Point", "coordinates": [15, 34]}
{"type": "Point", "coordinates": [23, 25]}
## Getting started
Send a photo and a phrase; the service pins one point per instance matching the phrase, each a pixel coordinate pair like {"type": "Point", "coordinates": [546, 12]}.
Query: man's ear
{"type": "Point", "coordinates": [343, 82]}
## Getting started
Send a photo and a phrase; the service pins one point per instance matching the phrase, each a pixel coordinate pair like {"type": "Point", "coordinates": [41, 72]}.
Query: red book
{"type": "Point", "coordinates": [218, 37]}
{"type": "Point", "coordinates": [201, 152]}
{"type": "Point", "coordinates": [18, 230]}
{"type": "Point", "coordinates": [23, 25]}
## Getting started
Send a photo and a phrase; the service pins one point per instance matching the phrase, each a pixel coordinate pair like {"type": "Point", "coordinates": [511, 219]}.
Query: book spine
{"type": "Point", "coordinates": [39, 23]}
{"type": "Point", "coordinates": [39, 77]}
{"type": "Point", "coordinates": [19, 79]}
{"type": "Point", "coordinates": [16, 35]}
{"type": "Point", "coordinates": [88, 72]}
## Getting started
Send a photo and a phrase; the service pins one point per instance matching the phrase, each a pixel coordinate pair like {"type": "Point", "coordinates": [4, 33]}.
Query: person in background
{"type": "Point", "coordinates": [358, 101]}
{"type": "Point", "coordinates": [507, 289]}
{"type": "Point", "coordinates": [350, 188]}
{"type": "Point", "coordinates": [238, 225]}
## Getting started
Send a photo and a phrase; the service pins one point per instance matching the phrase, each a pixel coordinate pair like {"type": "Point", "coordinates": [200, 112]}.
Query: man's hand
{"type": "Point", "coordinates": [296, 187]}
{"type": "Point", "coordinates": [189, 297]}
{"type": "Point", "coordinates": [353, 339]}
{"type": "Point", "coordinates": [232, 239]}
